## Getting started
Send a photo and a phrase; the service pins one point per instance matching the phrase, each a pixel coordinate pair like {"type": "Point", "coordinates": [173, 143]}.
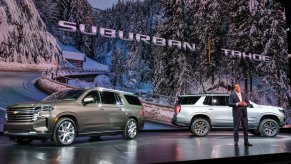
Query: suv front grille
{"type": "Point", "coordinates": [21, 115]}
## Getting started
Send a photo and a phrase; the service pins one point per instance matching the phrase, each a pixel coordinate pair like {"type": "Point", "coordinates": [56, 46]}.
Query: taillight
{"type": "Point", "coordinates": [177, 108]}
{"type": "Point", "coordinates": [142, 111]}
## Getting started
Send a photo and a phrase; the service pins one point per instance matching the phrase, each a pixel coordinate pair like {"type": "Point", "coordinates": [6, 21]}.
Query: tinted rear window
{"type": "Point", "coordinates": [108, 97]}
{"type": "Point", "coordinates": [132, 100]}
{"type": "Point", "coordinates": [188, 100]}
{"type": "Point", "coordinates": [216, 100]}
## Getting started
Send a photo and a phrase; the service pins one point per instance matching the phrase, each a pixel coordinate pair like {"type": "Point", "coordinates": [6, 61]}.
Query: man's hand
{"type": "Point", "coordinates": [243, 103]}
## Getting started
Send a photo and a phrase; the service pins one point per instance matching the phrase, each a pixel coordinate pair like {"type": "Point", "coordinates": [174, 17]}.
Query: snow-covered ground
{"type": "Point", "coordinates": [25, 67]}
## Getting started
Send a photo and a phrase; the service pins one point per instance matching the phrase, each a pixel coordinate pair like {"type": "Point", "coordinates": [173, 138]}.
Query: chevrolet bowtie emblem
{"type": "Point", "coordinates": [14, 112]}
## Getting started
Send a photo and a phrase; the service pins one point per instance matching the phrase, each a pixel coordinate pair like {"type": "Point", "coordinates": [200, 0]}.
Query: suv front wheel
{"type": "Point", "coordinates": [269, 128]}
{"type": "Point", "coordinates": [65, 132]}
{"type": "Point", "coordinates": [200, 127]}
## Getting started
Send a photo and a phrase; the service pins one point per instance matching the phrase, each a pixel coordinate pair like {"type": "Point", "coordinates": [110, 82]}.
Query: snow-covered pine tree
{"type": "Point", "coordinates": [242, 36]}
{"type": "Point", "coordinates": [272, 22]}
{"type": "Point", "coordinates": [117, 68]}
{"type": "Point", "coordinates": [129, 17]}
{"type": "Point", "coordinates": [176, 76]}
{"type": "Point", "coordinates": [257, 26]}
{"type": "Point", "coordinates": [206, 28]}
{"type": "Point", "coordinates": [49, 12]}
{"type": "Point", "coordinates": [140, 56]}
{"type": "Point", "coordinates": [77, 11]}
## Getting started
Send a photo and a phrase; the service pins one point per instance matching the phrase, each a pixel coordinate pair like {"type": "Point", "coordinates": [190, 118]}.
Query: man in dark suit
{"type": "Point", "coordinates": [239, 102]}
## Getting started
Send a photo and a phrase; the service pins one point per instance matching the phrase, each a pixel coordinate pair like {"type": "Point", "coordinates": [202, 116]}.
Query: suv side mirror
{"type": "Point", "coordinates": [88, 100]}
{"type": "Point", "coordinates": [250, 106]}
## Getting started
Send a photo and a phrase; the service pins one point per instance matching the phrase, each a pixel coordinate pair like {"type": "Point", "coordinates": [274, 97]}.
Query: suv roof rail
{"type": "Point", "coordinates": [204, 94]}
{"type": "Point", "coordinates": [110, 89]}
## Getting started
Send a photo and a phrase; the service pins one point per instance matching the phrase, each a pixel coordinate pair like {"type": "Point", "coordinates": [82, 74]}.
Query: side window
{"type": "Point", "coordinates": [133, 100]}
{"type": "Point", "coordinates": [207, 100]}
{"type": "Point", "coordinates": [108, 97]}
{"type": "Point", "coordinates": [219, 100]}
{"type": "Point", "coordinates": [226, 100]}
{"type": "Point", "coordinates": [189, 100]}
{"type": "Point", "coordinates": [95, 95]}
{"type": "Point", "coordinates": [118, 99]}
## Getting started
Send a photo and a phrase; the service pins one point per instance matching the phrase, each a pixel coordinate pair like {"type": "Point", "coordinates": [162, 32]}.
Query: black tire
{"type": "Point", "coordinates": [130, 130]}
{"type": "Point", "coordinates": [65, 132]}
{"type": "Point", "coordinates": [269, 128]}
{"type": "Point", "coordinates": [22, 141]}
{"type": "Point", "coordinates": [200, 127]}
{"type": "Point", "coordinates": [255, 132]}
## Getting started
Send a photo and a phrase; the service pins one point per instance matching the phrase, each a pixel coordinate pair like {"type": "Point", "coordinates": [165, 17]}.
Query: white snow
{"type": "Point", "coordinates": [89, 64]}
{"type": "Point", "coordinates": [26, 67]}
{"type": "Point", "coordinates": [102, 81]}
{"type": "Point", "coordinates": [104, 4]}
{"type": "Point", "coordinates": [92, 64]}
{"type": "Point", "coordinates": [99, 81]}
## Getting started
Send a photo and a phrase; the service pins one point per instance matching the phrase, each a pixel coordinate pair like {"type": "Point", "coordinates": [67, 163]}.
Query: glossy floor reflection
{"type": "Point", "coordinates": [149, 147]}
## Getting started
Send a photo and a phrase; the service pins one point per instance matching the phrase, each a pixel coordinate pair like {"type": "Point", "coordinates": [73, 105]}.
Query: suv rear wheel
{"type": "Point", "coordinates": [130, 130]}
{"type": "Point", "coordinates": [200, 127]}
{"type": "Point", "coordinates": [65, 132]}
{"type": "Point", "coordinates": [269, 128]}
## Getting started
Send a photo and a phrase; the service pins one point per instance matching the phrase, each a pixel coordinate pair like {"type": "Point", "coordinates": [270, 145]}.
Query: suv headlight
{"type": "Point", "coordinates": [282, 111]}
{"type": "Point", "coordinates": [44, 108]}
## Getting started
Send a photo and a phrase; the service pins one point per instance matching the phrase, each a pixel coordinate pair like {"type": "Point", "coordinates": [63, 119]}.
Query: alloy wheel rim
{"type": "Point", "coordinates": [200, 127]}
{"type": "Point", "coordinates": [66, 132]}
{"type": "Point", "coordinates": [132, 129]}
{"type": "Point", "coordinates": [270, 128]}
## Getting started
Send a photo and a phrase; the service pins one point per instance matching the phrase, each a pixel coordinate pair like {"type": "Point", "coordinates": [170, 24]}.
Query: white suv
{"type": "Point", "coordinates": [205, 111]}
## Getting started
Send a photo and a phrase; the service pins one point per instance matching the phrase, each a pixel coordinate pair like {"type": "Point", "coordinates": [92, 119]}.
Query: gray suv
{"type": "Point", "coordinates": [205, 111]}
{"type": "Point", "coordinates": [64, 115]}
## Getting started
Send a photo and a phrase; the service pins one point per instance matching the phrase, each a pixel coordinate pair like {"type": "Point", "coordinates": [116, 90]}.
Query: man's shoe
{"type": "Point", "coordinates": [248, 144]}
{"type": "Point", "coordinates": [235, 144]}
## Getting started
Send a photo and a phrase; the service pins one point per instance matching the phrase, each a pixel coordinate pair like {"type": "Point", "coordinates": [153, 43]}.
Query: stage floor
{"type": "Point", "coordinates": [151, 147]}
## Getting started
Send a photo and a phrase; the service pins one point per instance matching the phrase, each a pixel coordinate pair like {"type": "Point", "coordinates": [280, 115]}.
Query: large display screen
{"type": "Point", "coordinates": [155, 49]}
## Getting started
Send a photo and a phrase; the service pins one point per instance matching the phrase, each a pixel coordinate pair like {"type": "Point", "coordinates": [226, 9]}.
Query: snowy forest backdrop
{"type": "Point", "coordinates": [253, 26]}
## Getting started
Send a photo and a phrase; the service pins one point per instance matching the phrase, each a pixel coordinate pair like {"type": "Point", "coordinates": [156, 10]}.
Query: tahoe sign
{"type": "Point", "coordinates": [244, 55]}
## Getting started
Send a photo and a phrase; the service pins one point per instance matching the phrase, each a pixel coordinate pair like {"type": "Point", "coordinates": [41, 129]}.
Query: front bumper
{"type": "Point", "coordinates": [36, 129]}
{"type": "Point", "coordinates": [27, 134]}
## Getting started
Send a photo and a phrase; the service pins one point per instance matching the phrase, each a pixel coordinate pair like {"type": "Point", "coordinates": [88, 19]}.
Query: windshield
{"type": "Point", "coordinates": [65, 95]}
